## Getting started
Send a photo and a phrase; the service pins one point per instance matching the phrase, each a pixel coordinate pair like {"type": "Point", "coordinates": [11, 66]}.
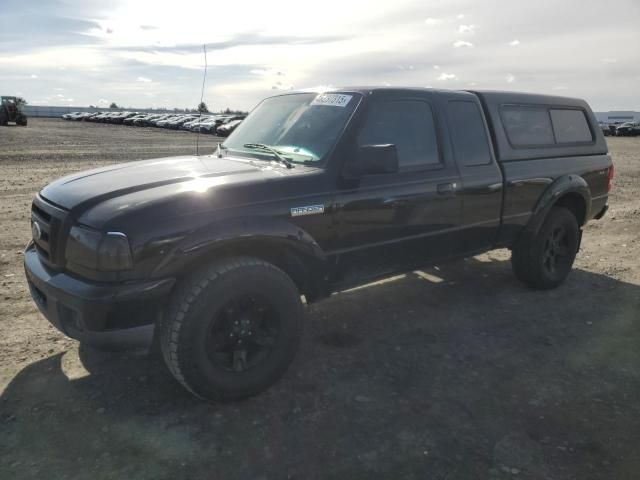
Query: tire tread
{"type": "Point", "coordinates": [524, 264]}
{"type": "Point", "coordinates": [183, 301]}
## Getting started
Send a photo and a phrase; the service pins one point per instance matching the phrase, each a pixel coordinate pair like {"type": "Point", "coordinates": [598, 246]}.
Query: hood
{"type": "Point", "coordinates": [94, 186]}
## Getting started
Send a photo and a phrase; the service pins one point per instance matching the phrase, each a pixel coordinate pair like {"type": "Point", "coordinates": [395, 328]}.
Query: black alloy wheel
{"type": "Point", "coordinates": [243, 333]}
{"type": "Point", "coordinates": [556, 255]}
{"type": "Point", "coordinates": [232, 328]}
{"type": "Point", "coordinates": [544, 260]}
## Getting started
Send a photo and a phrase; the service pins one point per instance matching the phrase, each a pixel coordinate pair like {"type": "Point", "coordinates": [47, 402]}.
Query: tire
{"type": "Point", "coordinates": [214, 311]}
{"type": "Point", "coordinates": [543, 261]}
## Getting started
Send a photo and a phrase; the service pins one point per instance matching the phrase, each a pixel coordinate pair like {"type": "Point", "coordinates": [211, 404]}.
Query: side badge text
{"type": "Point", "coordinates": [308, 210]}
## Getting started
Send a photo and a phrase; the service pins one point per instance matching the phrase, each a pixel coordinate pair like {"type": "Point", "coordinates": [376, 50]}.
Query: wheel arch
{"type": "Point", "coordinates": [305, 270]}
{"type": "Point", "coordinates": [280, 243]}
{"type": "Point", "coordinates": [576, 204]}
{"type": "Point", "coordinates": [569, 191]}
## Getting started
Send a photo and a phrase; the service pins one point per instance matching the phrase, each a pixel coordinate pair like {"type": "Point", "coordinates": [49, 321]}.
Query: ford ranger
{"type": "Point", "coordinates": [210, 256]}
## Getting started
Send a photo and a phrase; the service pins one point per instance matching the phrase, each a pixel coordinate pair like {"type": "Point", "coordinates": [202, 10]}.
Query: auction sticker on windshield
{"type": "Point", "coordinates": [332, 99]}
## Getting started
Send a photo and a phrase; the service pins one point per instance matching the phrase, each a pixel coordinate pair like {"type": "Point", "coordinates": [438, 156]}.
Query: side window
{"type": "Point", "coordinates": [409, 125]}
{"type": "Point", "coordinates": [527, 126]}
{"type": "Point", "coordinates": [570, 126]}
{"type": "Point", "coordinates": [470, 143]}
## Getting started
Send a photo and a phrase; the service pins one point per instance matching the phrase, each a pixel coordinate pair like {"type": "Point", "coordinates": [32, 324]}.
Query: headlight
{"type": "Point", "coordinates": [98, 251]}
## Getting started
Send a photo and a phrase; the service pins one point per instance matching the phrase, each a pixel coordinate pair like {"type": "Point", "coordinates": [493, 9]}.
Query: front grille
{"type": "Point", "coordinates": [40, 212]}
{"type": "Point", "coordinates": [47, 223]}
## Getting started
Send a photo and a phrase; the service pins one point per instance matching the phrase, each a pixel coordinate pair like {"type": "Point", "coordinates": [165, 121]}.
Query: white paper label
{"type": "Point", "coordinates": [332, 99]}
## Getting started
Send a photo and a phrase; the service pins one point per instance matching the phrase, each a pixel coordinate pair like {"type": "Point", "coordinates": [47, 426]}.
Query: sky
{"type": "Point", "coordinates": [150, 53]}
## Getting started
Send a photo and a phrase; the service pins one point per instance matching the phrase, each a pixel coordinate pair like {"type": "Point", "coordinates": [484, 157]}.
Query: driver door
{"type": "Point", "coordinates": [393, 221]}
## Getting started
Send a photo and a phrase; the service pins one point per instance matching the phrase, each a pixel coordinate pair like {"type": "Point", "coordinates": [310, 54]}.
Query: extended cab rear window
{"type": "Point", "coordinates": [542, 126]}
{"type": "Point", "coordinates": [470, 142]}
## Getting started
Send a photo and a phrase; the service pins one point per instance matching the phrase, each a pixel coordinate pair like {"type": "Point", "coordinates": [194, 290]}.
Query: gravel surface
{"type": "Point", "coordinates": [462, 373]}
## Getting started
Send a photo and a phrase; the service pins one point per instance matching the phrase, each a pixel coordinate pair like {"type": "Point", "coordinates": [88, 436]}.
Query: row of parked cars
{"type": "Point", "coordinates": [221, 125]}
{"type": "Point", "coordinates": [627, 129]}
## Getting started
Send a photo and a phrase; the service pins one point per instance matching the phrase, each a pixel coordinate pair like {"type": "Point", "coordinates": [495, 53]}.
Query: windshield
{"type": "Point", "coordinates": [301, 127]}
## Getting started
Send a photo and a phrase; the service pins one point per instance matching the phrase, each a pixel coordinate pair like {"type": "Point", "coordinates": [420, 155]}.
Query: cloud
{"type": "Point", "coordinates": [318, 88]}
{"type": "Point", "coordinates": [143, 80]}
{"type": "Point", "coordinates": [447, 76]}
{"type": "Point", "coordinates": [34, 76]}
{"type": "Point", "coordinates": [436, 67]}
{"type": "Point", "coordinates": [510, 78]}
{"type": "Point", "coordinates": [267, 72]}
{"type": "Point", "coordinates": [281, 86]}
{"type": "Point", "coordinates": [361, 45]}
{"type": "Point", "coordinates": [560, 87]}
{"type": "Point", "coordinates": [249, 39]}
{"type": "Point", "coordinates": [22, 28]}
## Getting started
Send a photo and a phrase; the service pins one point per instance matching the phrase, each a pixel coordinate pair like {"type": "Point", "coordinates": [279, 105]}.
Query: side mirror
{"type": "Point", "coordinates": [376, 159]}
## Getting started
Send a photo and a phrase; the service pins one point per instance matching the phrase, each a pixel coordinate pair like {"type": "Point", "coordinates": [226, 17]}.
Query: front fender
{"type": "Point", "coordinates": [564, 185]}
{"type": "Point", "coordinates": [224, 233]}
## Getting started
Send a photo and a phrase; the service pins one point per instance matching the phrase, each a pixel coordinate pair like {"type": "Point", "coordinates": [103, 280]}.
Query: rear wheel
{"type": "Point", "coordinates": [232, 329]}
{"type": "Point", "coordinates": [544, 260]}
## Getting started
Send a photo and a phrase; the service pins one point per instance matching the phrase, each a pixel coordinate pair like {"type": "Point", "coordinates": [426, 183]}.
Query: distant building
{"type": "Point", "coordinates": [617, 117]}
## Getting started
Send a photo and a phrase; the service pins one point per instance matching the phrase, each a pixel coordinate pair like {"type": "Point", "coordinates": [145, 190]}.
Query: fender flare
{"type": "Point", "coordinates": [227, 232]}
{"type": "Point", "coordinates": [557, 189]}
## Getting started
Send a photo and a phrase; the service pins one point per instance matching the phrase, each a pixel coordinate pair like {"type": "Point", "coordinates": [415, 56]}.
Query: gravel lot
{"type": "Point", "coordinates": [471, 377]}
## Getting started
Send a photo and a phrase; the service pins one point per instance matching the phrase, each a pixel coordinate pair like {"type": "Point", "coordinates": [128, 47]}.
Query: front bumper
{"type": "Point", "coordinates": [109, 316]}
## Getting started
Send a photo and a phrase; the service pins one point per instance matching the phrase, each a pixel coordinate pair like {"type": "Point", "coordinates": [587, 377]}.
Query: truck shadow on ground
{"type": "Point", "coordinates": [456, 372]}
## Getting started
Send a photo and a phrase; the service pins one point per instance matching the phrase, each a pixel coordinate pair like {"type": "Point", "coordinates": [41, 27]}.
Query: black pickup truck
{"type": "Point", "coordinates": [313, 193]}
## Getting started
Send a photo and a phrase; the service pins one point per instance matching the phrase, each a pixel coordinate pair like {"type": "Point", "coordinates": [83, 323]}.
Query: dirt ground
{"type": "Point", "coordinates": [459, 374]}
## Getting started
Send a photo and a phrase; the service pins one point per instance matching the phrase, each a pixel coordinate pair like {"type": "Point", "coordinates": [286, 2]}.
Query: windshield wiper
{"type": "Point", "coordinates": [273, 151]}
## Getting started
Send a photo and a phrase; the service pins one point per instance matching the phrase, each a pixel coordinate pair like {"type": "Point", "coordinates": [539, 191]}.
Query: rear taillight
{"type": "Point", "coordinates": [610, 179]}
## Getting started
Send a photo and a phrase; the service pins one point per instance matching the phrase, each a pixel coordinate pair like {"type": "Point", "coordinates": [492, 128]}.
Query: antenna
{"type": "Point", "coordinates": [204, 79]}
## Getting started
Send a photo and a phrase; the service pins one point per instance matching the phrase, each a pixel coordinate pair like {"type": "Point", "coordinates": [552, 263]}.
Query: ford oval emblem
{"type": "Point", "coordinates": [36, 230]}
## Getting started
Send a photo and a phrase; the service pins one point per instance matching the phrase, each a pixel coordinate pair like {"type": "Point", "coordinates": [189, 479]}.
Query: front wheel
{"type": "Point", "coordinates": [543, 261]}
{"type": "Point", "coordinates": [232, 329]}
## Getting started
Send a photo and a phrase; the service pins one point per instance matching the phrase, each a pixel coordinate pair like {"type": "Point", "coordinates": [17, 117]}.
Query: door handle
{"type": "Point", "coordinates": [447, 188]}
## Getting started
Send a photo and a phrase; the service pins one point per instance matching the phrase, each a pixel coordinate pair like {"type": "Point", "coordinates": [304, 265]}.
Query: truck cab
{"type": "Point", "coordinates": [313, 193]}
{"type": "Point", "coordinates": [10, 111]}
